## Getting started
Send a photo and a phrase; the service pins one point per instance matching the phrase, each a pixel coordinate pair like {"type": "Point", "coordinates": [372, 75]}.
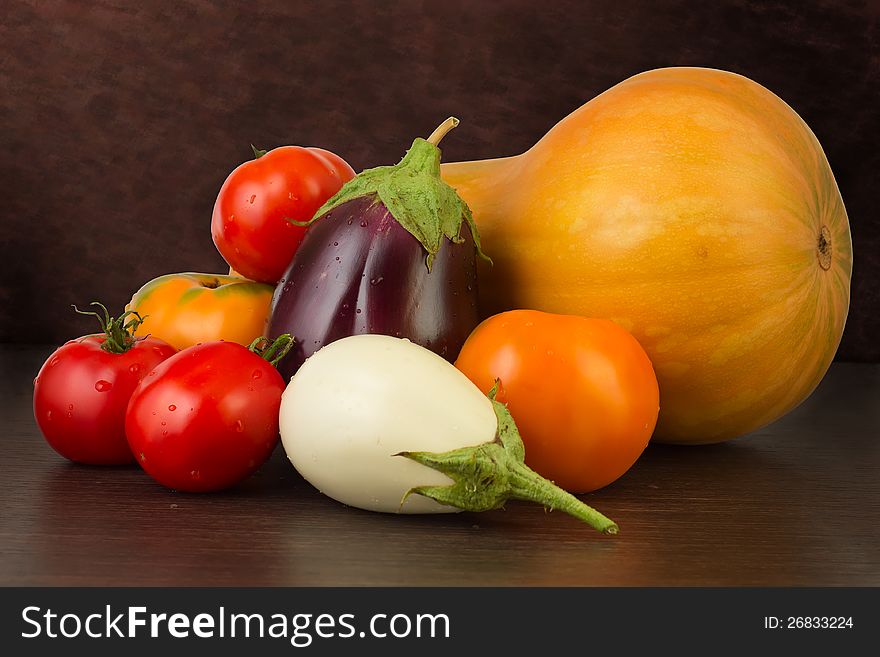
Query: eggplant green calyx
{"type": "Point", "coordinates": [415, 195]}
{"type": "Point", "coordinates": [118, 331]}
{"type": "Point", "coordinates": [273, 351]}
{"type": "Point", "coordinates": [486, 476]}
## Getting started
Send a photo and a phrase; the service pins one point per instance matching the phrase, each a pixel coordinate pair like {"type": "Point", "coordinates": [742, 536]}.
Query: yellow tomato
{"type": "Point", "coordinates": [185, 309]}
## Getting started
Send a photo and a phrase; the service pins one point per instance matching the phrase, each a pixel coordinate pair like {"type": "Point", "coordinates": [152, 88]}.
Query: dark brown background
{"type": "Point", "coordinates": [120, 120]}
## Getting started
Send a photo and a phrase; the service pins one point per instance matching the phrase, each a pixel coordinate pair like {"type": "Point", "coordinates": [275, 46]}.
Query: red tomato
{"type": "Point", "coordinates": [249, 225]}
{"type": "Point", "coordinates": [206, 418]}
{"type": "Point", "coordinates": [83, 388]}
{"type": "Point", "coordinates": [582, 392]}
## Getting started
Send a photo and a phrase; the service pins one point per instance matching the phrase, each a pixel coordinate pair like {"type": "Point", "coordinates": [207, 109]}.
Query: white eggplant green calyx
{"type": "Point", "coordinates": [382, 424]}
{"type": "Point", "coordinates": [415, 195]}
{"type": "Point", "coordinates": [486, 476]}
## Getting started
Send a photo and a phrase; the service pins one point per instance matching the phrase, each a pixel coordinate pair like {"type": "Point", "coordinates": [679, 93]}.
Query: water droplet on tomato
{"type": "Point", "coordinates": [239, 426]}
{"type": "Point", "coordinates": [172, 407]}
{"type": "Point", "coordinates": [252, 199]}
{"type": "Point", "coordinates": [103, 386]}
{"type": "Point", "coordinates": [70, 407]}
{"type": "Point", "coordinates": [358, 311]}
{"type": "Point", "coordinates": [293, 197]}
{"type": "Point", "coordinates": [49, 416]}
{"type": "Point", "coordinates": [257, 374]}
{"type": "Point", "coordinates": [363, 223]}
{"type": "Point", "coordinates": [36, 380]}
{"type": "Point", "coordinates": [53, 362]}
{"type": "Point", "coordinates": [335, 243]}
{"type": "Point", "coordinates": [165, 433]}
{"type": "Point", "coordinates": [195, 474]}
{"type": "Point", "coordinates": [231, 218]}
{"type": "Point", "coordinates": [134, 368]}
{"type": "Point", "coordinates": [377, 280]}
{"type": "Point", "coordinates": [69, 413]}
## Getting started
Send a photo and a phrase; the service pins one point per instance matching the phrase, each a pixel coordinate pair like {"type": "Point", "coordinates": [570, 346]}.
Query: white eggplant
{"type": "Point", "coordinates": [382, 424]}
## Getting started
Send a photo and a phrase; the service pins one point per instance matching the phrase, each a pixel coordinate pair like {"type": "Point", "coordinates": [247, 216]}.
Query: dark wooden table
{"type": "Point", "coordinates": [797, 503]}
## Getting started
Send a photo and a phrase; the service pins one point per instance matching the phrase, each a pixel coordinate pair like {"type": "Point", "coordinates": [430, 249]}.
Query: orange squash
{"type": "Point", "coordinates": [697, 210]}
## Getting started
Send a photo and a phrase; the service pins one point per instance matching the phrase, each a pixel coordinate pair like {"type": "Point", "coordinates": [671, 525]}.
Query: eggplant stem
{"type": "Point", "coordinates": [485, 476]}
{"type": "Point", "coordinates": [527, 485]}
{"type": "Point", "coordinates": [442, 129]}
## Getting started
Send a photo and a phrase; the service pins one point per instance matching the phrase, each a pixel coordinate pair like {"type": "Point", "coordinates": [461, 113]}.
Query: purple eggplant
{"type": "Point", "coordinates": [388, 254]}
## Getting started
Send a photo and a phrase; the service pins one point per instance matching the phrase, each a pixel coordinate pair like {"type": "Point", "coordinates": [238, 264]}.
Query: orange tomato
{"type": "Point", "coordinates": [582, 392]}
{"type": "Point", "coordinates": [185, 309]}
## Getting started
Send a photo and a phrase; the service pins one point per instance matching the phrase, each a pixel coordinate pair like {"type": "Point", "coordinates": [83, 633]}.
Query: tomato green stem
{"type": "Point", "coordinates": [119, 333]}
{"type": "Point", "coordinates": [273, 350]}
